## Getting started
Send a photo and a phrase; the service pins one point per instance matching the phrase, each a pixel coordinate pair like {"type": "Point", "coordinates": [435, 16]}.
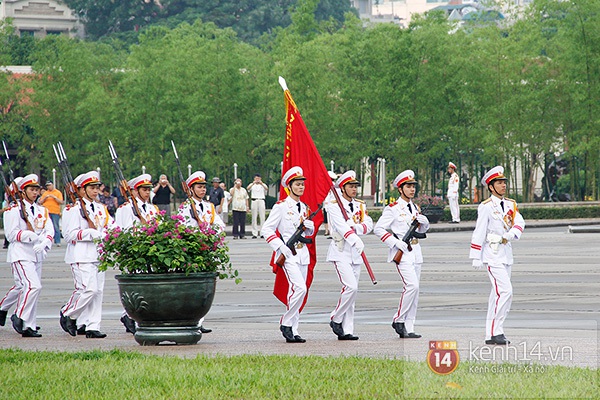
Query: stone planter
{"type": "Point", "coordinates": [167, 307]}
{"type": "Point", "coordinates": [434, 214]}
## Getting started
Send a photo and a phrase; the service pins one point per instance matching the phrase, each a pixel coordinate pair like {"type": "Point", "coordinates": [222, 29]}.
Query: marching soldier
{"type": "Point", "coordinates": [30, 241]}
{"type": "Point", "coordinates": [125, 218]}
{"type": "Point", "coordinates": [10, 299]}
{"type": "Point", "coordinates": [453, 187]}
{"type": "Point", "coordinates": [285, 217]}
{"type": "Point", "coordinates": [397, 218]}
{"type": "Point", "coordinates": [83, 311]}
{"type": "Point", "coordinates": [205, 211]}
{"type": "Point", "coordinates": [345, 251]}
{"type": "Point", "coordinates": [499, 223]}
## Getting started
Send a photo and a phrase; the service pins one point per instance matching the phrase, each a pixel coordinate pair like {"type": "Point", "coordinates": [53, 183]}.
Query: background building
{"type": "Point", "coordinates": [40, 18]}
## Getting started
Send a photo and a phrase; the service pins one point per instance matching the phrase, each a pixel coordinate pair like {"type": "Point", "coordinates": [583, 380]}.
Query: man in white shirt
{"type": "Point", "coordinates": [258, 192]}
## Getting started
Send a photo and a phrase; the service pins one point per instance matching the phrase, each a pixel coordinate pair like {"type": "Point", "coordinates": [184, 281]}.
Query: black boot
{"type": "Point", "coordinates": [336, 327]}
{"type": "Point", "coordinates": [17, 323]}
{"type": "Point", "coordinates": [3, 315]}
{"type": "Point", "coordinates": [287, 333]}
{"type": "Point", "coordinates": [400, 329]}
{"type": "Point", "coordinates": [128, 323]}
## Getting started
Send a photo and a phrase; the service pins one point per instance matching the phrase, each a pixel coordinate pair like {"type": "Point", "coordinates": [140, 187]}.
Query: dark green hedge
{"type": "Point", "coordinates": [529, 212]}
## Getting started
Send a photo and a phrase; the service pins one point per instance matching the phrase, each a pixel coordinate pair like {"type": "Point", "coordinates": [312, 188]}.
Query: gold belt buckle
{"type": "Point", "coordinates": [299, 245]}
{"type": "Point", "coordinates": [414, 241]}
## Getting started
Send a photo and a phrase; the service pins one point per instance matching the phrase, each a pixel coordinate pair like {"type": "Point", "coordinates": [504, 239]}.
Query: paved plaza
{"type": "Point", "coordinates": [554, 316]}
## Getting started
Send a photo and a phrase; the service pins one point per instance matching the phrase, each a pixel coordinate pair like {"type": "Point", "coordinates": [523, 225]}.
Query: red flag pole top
{"type": "Point", "coordinates": [300, 150]}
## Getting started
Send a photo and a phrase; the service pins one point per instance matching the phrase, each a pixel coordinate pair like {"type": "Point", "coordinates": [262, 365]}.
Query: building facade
{"type": "Point", "coordinates": [40, 18]}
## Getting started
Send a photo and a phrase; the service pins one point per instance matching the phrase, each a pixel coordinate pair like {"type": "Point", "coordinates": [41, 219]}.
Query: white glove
{"type": "Point", "coordinates": [39, 248]}
{"type": "Point", "coordinates": [28, 237]}
{"type": "Point", "coordinates": [287, 253]}
{"type": "Point", "coordinates": [400, 245]}
{"type": "Point", "coordinates": [94, 233]}
{"type": "Point", "coordinates": [359, 246]}
{"type": "Point", "coordinates": [422, 219]}
{"type": "Point", "coordinates": [309, 225]}
{"type": "Point", "coordinates": [477, 264]}
{"type": "Point", "coordinates": [509, 237]}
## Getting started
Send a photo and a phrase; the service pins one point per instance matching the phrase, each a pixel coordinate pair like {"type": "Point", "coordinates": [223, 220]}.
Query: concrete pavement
{"type": "Point", "coordinates": [554, 316]}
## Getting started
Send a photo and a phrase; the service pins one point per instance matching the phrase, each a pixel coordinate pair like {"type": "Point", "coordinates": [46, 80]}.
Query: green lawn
{"type": "Point", "coordinates": [121, 375]}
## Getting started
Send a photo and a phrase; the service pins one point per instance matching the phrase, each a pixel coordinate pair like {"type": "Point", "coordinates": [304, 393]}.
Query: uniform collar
{"type": "Point", "coordinates": [496, 200]}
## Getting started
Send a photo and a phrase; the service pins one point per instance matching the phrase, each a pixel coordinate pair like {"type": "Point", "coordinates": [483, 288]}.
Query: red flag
{"type": "Point", "coordinates": [300, 150]}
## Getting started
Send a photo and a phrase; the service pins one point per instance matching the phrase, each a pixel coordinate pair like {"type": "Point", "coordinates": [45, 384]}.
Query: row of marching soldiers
{"type": "Point", "coordinates": [498, 224]}
{"type": "Point", "coordinates": [30, 233]}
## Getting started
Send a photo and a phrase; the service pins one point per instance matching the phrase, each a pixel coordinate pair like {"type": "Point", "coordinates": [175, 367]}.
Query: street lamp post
{"type": "Point", "coordinates": [235, 170]}
{"type": "Point", "coordinates": [54, 177]}
{"type": "Point", "coordinates": [332, 165]}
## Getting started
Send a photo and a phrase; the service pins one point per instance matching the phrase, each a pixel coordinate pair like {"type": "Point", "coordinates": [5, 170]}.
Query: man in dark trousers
{"type": "Point", "coordinates": [217, 195]}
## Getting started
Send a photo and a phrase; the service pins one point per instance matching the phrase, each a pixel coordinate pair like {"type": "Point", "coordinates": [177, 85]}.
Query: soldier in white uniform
{"type": "Point", "coordinates": [205, 210]}
{"type": "Point", "coordinates": [285, 217]}
{"type": "Point", "coordinates": [10, 299]}
{"type": "Point", "coordinates": [499, 223]}
{"type": "Point", "coordinates": [453, 187]}
{"type": "Point", "coordinates": [125, 218]}
{"type": "Point", "coordinates": [345, 251]}
{"type": "Point", "coordinates": [29, 244]}
{"type": "Point", "coordinates": [397, 217]}
{"type": "Point", "coordinates": [83, 311]}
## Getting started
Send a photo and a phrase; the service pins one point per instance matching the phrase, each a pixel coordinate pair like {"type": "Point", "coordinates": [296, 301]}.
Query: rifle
{"type": "Point", "coordinates": [123, 186]}
{"type": "Point", "coordinates": [17, 197]}
{"type": "Point", "coordinates": [345, 215]}
{"type": "Point", "coordinates": [70, 186]}
{"type": "Point", "coordinates": [185, 188]}
{"type": "Point", "coordinates": [297, 237]}
{"type": "Point", "coordinates": [409, 236]}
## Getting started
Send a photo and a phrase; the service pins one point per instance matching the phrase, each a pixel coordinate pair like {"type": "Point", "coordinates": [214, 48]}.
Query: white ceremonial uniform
{"type": "Point", "coordinates": [495, 218]}
{"type": "Point", "coordinates": [206, 211]}
{"type": "Point", "coordinates": [26, 264]}
{"type": "Point", "coordinates": [125, 216]}
{"type": "Point", "coordinates": [452, 195]}
{"type": "Point", "coordinates": [346, 259]}
{"type": "Point", "coordinates": [85, 304]}
{"type": "Point", "coordinates": [397, 218]}
{"type": "Point", "coordinates": [285, 219]}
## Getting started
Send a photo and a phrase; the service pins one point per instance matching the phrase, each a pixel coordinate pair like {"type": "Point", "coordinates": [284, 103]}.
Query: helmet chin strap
{"type": "Point", "coordinates": [292, 191]}
{"type": "Point", "coordinates": [402, 194]}
{"type": "Point", "coordinates": [28, 199]}
{"type": "Point", "coordinates": [492, 189]}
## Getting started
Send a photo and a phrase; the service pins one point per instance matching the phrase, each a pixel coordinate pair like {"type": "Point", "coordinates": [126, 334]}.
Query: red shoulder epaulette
{"type": "Point", "coordinates": [393, 204]}
{"type": "Point", "coordinates": [124, 204]}
{"type": "Point", "coordinates": [68, 206]}
{"type": "Point", "coordinates": [280, 201]}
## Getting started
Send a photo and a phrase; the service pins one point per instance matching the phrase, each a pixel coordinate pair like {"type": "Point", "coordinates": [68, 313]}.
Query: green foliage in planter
{"type": "Point", "coordinates": [166, 245]}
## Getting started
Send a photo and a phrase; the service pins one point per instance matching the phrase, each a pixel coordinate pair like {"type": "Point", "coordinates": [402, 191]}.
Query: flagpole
{"type": "Point", "coordinates": [336, 195]}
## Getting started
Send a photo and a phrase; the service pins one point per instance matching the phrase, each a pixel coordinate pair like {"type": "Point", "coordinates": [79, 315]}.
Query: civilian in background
{"type": "Point", "coordinates": [239, 208]}
{"type": "Point", "coordinates": [224, 214]}
{"type": "Point", "coordinates": [162, 194]}
{"type": "Point", "coordinates": [52, 199]}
